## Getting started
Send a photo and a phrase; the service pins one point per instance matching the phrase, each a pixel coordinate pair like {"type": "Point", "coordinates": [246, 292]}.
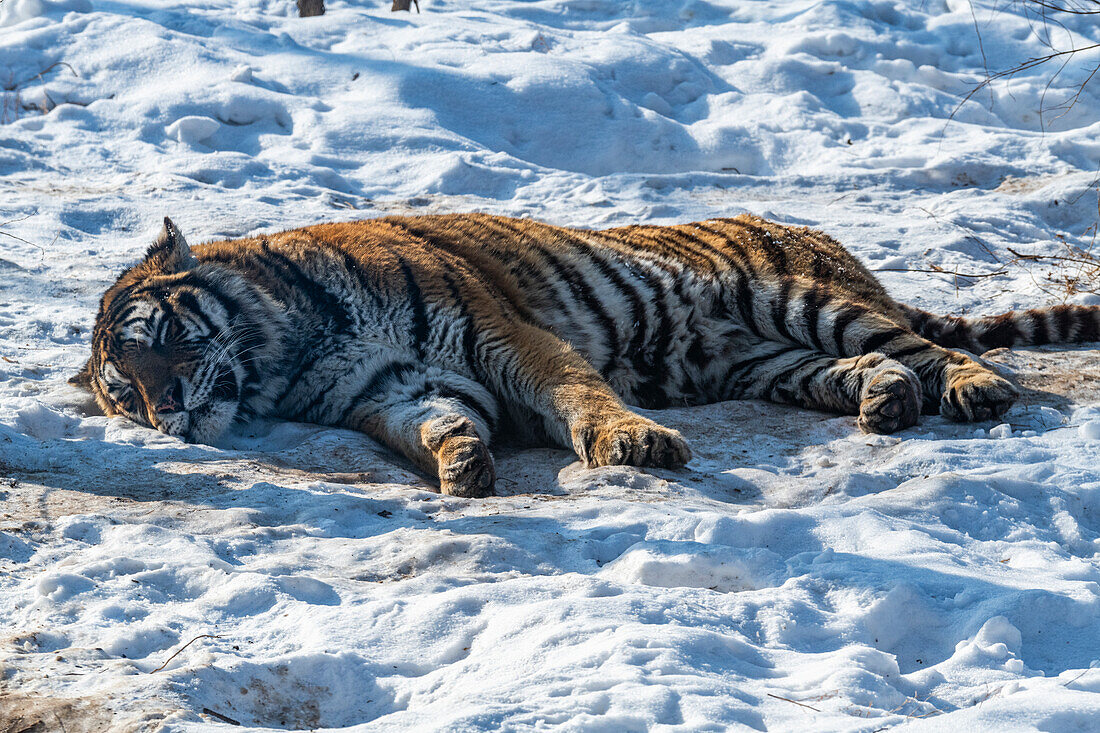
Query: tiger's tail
{"type": "Point", "coordinates": [1060, 324]}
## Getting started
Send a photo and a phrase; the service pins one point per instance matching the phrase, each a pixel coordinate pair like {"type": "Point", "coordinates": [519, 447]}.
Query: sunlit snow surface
{"type": "Point", "coordinates": [798, 576]}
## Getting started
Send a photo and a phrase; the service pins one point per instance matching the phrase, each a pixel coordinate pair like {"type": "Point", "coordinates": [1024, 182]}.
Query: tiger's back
{"type": "Point", "coordinates": [653, 308]}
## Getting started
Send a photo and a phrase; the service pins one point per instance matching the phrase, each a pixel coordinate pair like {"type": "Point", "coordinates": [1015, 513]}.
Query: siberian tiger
{"type": "Point", "coordinates": [434, 333]}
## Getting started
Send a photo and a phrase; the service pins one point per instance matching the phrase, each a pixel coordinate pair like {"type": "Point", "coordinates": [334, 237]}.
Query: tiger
{"type": "Point", "coordinates": [436, 334]}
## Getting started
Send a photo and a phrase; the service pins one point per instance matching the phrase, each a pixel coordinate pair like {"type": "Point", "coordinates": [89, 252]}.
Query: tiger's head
{"type": "Point", "coordinates": [175, 343]}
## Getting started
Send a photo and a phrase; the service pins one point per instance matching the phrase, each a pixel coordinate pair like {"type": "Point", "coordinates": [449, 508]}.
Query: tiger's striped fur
{"type": "Point", "coordinates": [434, 333]}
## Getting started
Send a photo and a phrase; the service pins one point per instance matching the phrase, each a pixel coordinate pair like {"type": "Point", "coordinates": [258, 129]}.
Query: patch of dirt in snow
{"type": "Point", "coordinates": [1052, 376]}
{"type": "Point", "coordinates": [37, 714]}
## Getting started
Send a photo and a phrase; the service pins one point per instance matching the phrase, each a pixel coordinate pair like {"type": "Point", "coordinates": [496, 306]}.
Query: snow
{"type": "Point", "coordinates": [797, 575]}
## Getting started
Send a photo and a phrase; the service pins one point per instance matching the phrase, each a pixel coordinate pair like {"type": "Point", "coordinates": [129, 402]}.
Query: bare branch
{"type": "Point", "coordinates": [796, 702]}
{"type": "Point", "coordinates": [219, 716]}
{"type": "Point", "coordinates": [942, 271]}
{"type": "Point", "coordinates": [1067, 10]}
{"type": "Point", "coordinates": [169, 659]}
{"type": "Point", "coordinates": [12, 86]}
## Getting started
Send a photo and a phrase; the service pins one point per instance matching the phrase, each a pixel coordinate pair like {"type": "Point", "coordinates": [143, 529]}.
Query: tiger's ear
{"type": "Point", "coordinates": [170, 252]}
{"type": "Point", "coordinates": [83, 378]}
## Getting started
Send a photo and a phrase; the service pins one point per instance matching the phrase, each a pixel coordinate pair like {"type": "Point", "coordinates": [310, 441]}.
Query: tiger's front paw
{"type": "Point", "coordinates": [890, 402]}
{"type": "Point", "coordinates": [974, 394]}
{"type": "Point", "coordinates": [630, 440]}
{"type": "Point", "coordinates": [466, 467]}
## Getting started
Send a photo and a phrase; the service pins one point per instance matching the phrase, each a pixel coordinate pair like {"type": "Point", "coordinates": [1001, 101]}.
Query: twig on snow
{"type": "Point", "coordinates": [969, 233]}
{"type": "Point", "coordinates": [219, 716]}
{"type": "Point", "coordinates": [39, 247]}
{"type": "Point", "coordinates": [1083, 673]}
{"type": "Point", "coordinates": [796, 702]}
{"type": "Point", "coordinates": [941, 271]}
{"type": "Point", "coordinates": [12, 86]}
{"type": "Point", "coordinates": [169, 659]}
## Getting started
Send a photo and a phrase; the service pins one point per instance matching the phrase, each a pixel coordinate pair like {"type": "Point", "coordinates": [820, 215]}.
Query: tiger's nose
{"type": "Point", "coordinates": [171, 400]}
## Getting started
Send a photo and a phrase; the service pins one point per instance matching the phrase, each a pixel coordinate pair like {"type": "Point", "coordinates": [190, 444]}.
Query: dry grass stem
{"type": "Point", "coordinates": [169, 659]}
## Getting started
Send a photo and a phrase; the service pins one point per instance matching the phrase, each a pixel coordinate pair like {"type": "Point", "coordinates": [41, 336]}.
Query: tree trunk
{"type": "Point", "coordinates": [310, 8]}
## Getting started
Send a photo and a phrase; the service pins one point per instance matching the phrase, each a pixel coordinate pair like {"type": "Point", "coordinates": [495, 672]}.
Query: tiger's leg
{"type": "Point", "coordinates": [953, 384]}
{"type": "Point", "coordinates": [539, 371]}
{"type": "Point", "coordinates": [439, 420]}
{"type": "Point", "coordinates": [883, 392]}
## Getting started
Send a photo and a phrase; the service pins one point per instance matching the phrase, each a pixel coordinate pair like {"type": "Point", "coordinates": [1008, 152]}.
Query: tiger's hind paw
{"type": "Point", "coordinates": [630, 441]}
{"type": "Point", "coordinates": [466, 467]}
{"type": "Point", "coordinates": [975, 394]}
{"type": "Point", "coordinates": [463, 462]}
{"type": "Point", "coordinates": [890, 402]}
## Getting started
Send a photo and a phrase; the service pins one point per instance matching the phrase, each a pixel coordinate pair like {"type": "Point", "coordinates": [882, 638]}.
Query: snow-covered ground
{"type": "Point", "coordinates": [798, 576]}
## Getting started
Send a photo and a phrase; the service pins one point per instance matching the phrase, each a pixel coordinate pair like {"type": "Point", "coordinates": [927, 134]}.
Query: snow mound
{"type": "Point", "coordinates": [692, 565]}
